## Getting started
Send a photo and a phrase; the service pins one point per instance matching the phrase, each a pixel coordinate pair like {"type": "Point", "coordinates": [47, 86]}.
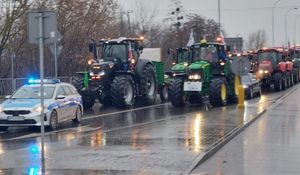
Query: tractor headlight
{"type": "Point", "coordinates": [261, 71]}
{"type": "Point", "coordinates": [266, 71]}
{"type": "Point", "coordinates": [195, 77]}
{"type": "Point", "coordinates": [245, 86]}
{"type": "Point", "coordinates": [185, 64]}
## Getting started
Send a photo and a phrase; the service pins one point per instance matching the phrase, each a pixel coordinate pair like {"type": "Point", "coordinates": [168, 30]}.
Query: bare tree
{"type": "Point", "coordinates": [257, 40]}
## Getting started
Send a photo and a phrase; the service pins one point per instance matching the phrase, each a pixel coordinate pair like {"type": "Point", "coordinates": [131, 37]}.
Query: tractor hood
{"type": "Point", "coordinates": [180, 67]}
{"type": "Point", "coordinates": [198, 65]}
{"type": "Point", "coordinates": [265, 66]}
{"type": "Point", "coordinates": [102, 66]}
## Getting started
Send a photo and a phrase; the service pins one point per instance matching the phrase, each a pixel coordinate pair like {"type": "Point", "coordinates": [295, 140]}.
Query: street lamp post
{"type": "Point", "coordinates": [286, 14]}
{"type": "Point", "coordinates": [273, 6]}
{"type": "Point", "coordinates": [219, 16]}
{"type": "Point", "coordinates": [295, 28]}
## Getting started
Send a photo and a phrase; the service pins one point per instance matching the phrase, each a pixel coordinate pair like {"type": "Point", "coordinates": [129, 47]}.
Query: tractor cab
{"type": "Point", "coordinates": [208, 53]}
{"type": "Point", "coordinates": [180, 60]}
{"type": "Point", "coordinates": [270, 60]}
{"type": "Point", "coordinates": [119, 54]}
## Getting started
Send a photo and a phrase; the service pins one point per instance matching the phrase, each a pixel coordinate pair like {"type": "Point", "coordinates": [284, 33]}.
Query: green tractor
{"type": "Point", "coordinates": [209, 77]}
{"type": "Point", "coordinates": [118, 76]}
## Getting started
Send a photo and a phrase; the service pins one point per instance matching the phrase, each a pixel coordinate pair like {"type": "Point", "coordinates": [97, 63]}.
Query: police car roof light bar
{"type": "Point", "coordinates": [47, 81]}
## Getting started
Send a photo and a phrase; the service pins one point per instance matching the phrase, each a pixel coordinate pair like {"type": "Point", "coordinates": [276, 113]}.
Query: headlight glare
{"type": "Point", "coordinates": [194, 77]}
{"type": "Point", "coordinates": [38, 109]}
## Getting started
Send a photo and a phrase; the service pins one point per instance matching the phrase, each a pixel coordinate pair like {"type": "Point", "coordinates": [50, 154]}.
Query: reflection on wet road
{"type": "Point", "coordinates": [147, 140]}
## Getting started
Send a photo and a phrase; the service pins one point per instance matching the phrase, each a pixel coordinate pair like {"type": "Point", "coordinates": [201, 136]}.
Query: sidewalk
{"type": "Point", "coordinates": [271, 145]}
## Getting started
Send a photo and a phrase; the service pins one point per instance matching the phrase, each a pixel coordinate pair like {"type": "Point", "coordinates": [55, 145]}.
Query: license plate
{"type": "Point", "coordinates": [15, 118]}
{"type": "Point", "coordinates": [192, 86]}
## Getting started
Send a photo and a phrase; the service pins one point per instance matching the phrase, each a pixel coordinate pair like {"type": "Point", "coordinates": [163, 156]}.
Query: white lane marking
{"type": "Point", "coordinates": [124, 111]}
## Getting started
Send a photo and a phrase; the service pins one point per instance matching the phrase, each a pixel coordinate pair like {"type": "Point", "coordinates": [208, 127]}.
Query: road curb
{"type": "Point", "coordinates": [219, 144]}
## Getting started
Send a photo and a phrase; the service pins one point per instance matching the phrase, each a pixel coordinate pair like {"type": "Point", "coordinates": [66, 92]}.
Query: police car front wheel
{"type": "Point", "coordinates": [53, 121]}
{"type": "Point", "coordinates": [78, 115]}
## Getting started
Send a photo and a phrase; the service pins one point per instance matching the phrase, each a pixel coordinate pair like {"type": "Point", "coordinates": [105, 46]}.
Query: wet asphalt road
{"type": "Point", "coordinates": [269, 146]}
{"type": "Point", "coordinates": [147, 140]}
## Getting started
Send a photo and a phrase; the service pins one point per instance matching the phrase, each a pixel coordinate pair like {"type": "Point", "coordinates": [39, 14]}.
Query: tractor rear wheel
{"type": "Point", "coordinates": [176, 93]}
{"type": "Point", "coordinates": [88, 99]}
{"type": "Point", "coordinates": [123, 91]}
{"type": "Point", "coordinates": [278, 83]}
{"type": "Point", "coordinates": [148, 85]}
{"type": "Point", "coordinates": [218, 95]}
{"type": "Point", "coordinates": [296, 75]}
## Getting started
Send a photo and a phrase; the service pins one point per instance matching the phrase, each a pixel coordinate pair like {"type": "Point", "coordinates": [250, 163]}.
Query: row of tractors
{"type": "Point", "coordinates": [119, 76]}
{"type": "Point", "coordinates": [276, 67]}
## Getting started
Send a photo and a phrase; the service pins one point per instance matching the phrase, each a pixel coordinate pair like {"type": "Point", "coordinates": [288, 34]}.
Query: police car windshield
{"type": "Point", "coordinates": [33, 92]}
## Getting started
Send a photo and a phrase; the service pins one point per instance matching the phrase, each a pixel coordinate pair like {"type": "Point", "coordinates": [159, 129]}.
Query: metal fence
{"type": "Point", "coordinates": [7, 86]}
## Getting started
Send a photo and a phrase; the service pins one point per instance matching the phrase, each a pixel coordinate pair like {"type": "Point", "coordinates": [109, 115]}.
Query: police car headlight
{"type": "Point", "coordinates": [38, 109]}
{"type": "Point", "coordinates": [1, 109]}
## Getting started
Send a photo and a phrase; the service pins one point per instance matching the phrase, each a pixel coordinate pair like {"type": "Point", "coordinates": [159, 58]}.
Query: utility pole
{"type": "Point", "coordinates": [128, 17]}
{"type": "Point", "coordinates": [177, 24]}
{"type": "Point", "coordinates": [219, 16]}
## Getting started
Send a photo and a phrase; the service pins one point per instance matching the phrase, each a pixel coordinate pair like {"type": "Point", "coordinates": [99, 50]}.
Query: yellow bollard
{"type": "Point", "coordinates": [241, 97]}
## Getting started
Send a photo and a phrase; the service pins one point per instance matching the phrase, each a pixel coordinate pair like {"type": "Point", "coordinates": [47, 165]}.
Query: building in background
{"type": "Point", "coordinates": [234, 44]}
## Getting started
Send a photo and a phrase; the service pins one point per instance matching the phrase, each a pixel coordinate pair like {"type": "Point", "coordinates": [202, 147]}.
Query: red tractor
{"type": "Point", "coordinates": [273, 69]}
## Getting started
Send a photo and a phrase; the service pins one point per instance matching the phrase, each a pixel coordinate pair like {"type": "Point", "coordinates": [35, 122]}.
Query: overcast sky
{"type": "Point", "coordinates": [238, 17]}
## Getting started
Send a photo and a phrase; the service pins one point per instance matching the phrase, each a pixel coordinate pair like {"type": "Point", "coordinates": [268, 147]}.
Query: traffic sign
{"type": "Point", "coordinates": [50, 34]}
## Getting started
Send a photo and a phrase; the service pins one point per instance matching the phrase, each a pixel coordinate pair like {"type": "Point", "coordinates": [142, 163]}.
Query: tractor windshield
{"type": "Point", "coordinates": [208, 53]}
{"type": "Point", "coordinates": [182, 56]}
{"type": "Point", "coordinates": [114, 51]}
{"type": "Point", "coordinates": [267, 56]}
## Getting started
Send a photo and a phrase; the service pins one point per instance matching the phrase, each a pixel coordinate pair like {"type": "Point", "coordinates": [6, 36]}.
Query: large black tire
{"type": "Point", "coordinates": [88, 99]}
{"type": "Point", "coordinates": [215, 92]}
{"type": "Point", "coordinates": [148, 85]}
{"type": "Point", "coordinates": [164, 93]}
{"type": "Point", "coordinates": [284, 82]}
{"type": "Point", "coordinates": [123, 91]}
{"type": "Point", "coordinates": [289, 80]}
{"type": "Point", "coordinates": [292, 79]}
{"type": "Point", "coordinates": [278, 83]}
{"type": "Point", "coordinates": [296, 75]}
{"type": "Point", "coordinates": [176, 93]}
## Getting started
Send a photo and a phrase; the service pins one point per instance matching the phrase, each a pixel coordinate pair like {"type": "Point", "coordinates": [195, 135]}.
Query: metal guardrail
{"type": "Point", "coordinates": [7, 86]}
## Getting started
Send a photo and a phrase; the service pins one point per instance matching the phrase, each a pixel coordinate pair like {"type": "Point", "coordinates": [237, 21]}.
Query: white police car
{"type": "Point", "coordinates": [23, 108]}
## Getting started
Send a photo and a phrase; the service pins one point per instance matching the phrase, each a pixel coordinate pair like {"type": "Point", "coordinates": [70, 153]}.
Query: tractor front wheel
{"type": "Point", "coordinates": [218, 95]}
{"type": "Point", "coordinates": [123, 91]}
{"type": "Point", "coordinates": [176, 93]}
